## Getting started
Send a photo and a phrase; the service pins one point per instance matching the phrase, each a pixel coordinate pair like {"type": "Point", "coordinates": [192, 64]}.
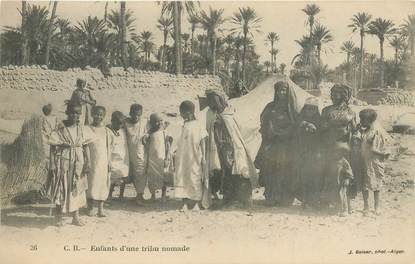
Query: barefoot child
{"type": "Point", "coordinates": [373, 157]}
{"type": "Point", "coordinates": [190, 181]}
{"type": "Point", "coordinates": [136, 128]}
{"type": "Point", "coordinates": [119, 155]}
{"type": "Point", "coordinates": [336, 180]}
{"type": "Point", "coordinates": [157, 145]}
{"type": "Point", "coordinates": [67, 181]}
{"type": "Point", "coordinates": [99, 180]}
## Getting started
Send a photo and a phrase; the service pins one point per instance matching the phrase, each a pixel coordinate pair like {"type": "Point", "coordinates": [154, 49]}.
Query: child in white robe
{"type": "Point", "coordinates": [157, 147]}
{"type": "Point", "coordinates": [136, 128]}
{"type": "Point", "coordinates": [99, 180]}
{"type": "Point", "coordinates": [190, 180]}
{"type": "Point", "coordinates": [119, 155]}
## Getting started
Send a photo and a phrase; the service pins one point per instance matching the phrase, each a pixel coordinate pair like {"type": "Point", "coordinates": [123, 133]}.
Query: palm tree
{"type": "Point", "coordinates": [267, 64]}
{"type": "Point", "coordinates": [175, 9]}
{"type": "Point", "coordinates": [164, 24]}
{"type": "Point", "coordinates": [146, 44]}
{"type": "Point", "coordinates": [24, 35]}
{"type": "Point", "coordinates": [360, 22]}
{"type": "Point", "coordinates": [305, 56]}
{"type": "Point", "coordinates": [50, 28]}
{"type": "Point", "coordinates": [408, 30]}
{"type": "Point", "coordinates": [211, 23]}
{"type": "Point", "coordinates": [124, 42]}
{"type": "Point", "coordinates": [397, 43]}
{"type": "Point", "coordinates": [272, 37]}
{"type": "Point", "coordinates": [381, 28]}
{"type": "Point", "coordinates": [347, 48]}
{"type": "Point", "coordinates": [246, 21]}
{"type": "Point", "coordinates": [274, 53]}
{"type": "Point", "coordinates": [114, 25]}
{"type": "Point", "coordinates": [282, 68]}
{"type": "Point", "coordinates": [193, 21]}
{"type": "Point", "coordinates": [185, 38]}
{"type": "Point", "coordinates": [311, 10]}
{"type": "Point", "coordinates": [317, 73]}
{"type": "Point", "coordinates": [321, 35]}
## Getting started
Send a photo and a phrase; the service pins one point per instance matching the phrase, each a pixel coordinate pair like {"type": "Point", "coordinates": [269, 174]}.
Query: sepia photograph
{"type": "Point", "coordinates": [207, 131]}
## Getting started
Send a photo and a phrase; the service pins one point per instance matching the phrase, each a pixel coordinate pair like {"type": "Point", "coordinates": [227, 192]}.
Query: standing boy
{"type": "Point", "coordinates": [119, 154]}
{"type": "Point", "coordinates": [99, 180]}
{"type": "Point", "coordinates": [136, 128]}
{"type": "Point", "coordinates": [157, 145]}
{"type": "Point", "coordinates": [191, 180]}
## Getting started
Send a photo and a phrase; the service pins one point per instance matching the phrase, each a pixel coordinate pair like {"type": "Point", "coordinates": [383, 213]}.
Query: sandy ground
{"type": "Point", "coordinates": [262, 234]}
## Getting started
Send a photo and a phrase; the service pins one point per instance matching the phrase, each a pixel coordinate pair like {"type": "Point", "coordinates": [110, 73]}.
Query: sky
{"type": "Point", "coordinates": [282, 17]}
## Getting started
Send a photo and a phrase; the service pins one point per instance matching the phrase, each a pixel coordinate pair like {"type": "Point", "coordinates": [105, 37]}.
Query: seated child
{"type": "Point", "coordinates": [119, 155]}
{"type": "Point", "coordinates": [373, 156]}
{"type": "Point", "coordinates": [157, 145]}
{"type": "Point", "coordinates": [99, 180]}
{"type": "Point", "coordinates": [190, 178]}
{"type": "Point", "coordinates": [336, 179]}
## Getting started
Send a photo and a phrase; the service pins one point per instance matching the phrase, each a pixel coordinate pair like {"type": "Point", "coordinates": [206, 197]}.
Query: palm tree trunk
{"type": "Point", "coordinates": [382, 73]}
{"type": "Point", "coordinates": [272, 56]}
{"type": "Point", "coordinates": [24, 37]}
{"type": "Point", "coordinates": [123, 35]}
{"type": "Point", "coordinates": [243, 57]}
{"type": "Point", "coordinates": [163, 52]}
{"type": "Point", "coordinates": [361, 62]}
{"type": "Point", "coordinates": [396, 57]}
{"type": "Point", "coordinates": [214, 54]}
{"type": "Point", "coordinates": [177, 36]}
{"type": "Point", "coordinates": [106, 12]}
{"type": "Point", "coordinates": [50, 27]}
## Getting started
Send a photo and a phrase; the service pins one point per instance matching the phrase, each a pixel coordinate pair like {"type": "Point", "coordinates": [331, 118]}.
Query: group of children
{"type": "Point", "coordinates": [87, 161]}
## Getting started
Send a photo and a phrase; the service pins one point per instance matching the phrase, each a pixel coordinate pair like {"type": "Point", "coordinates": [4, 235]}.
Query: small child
{"type": "Point", "coordinates": [99, 180]}
{"type": "Point", "coordinates": [157, 145]}
{"type": "Point", "coordinates": [50, 121]}
{"type": "Point", "coordinates": [119, 156]}
{"type": "Point", "coordinates": [373, 155]}
{"type": "Point", "coordinates": [190, 179]}
{"type": "Point", "coordinates": [336, 179]}
{"type": "Point", "coordinates": [136, 128]}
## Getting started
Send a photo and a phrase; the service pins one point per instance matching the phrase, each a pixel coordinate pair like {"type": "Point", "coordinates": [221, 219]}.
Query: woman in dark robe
{"type": "Point", "coordinates": [338, 122]}
{"type": "Point", "coordinates": [274, 159]}
{"type": "Point", "coordinates": [308, 154]}
{"type": "Point", "coordinates": [227, 153]}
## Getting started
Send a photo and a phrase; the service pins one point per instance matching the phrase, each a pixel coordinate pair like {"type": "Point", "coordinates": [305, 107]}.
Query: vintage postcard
{"type": "Point", "coordinates": [207, 131]}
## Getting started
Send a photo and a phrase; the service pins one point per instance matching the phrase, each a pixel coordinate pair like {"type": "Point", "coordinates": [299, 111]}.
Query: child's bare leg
{"type": "Point", "coordinates": [58, 215]}
{"type": "Point", "coordinates": [365, 202]}
{"type": "Point", "coordinates": [122, 189]}
{"type": "Point", "coordinates": [376, 197]}
{"type": "Point", "coordinates": [349, 206]}
{"type": "Point", "coordinates": [343, 201]}
{"type": "Point", "coordinates": [112, 187]}
{"type": "Point", "coordinates": [90, 204]}
{"type": "Point", "coordinates": [101, 209]}
{"type": "Point", "coordinates": [184, 207]}
{"type": "Point", "coordinates": [75, 219]}
{"type": "Point", "coordinates": [163, 194]}
{"type": "Point", "coordinates": [153, 195]}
